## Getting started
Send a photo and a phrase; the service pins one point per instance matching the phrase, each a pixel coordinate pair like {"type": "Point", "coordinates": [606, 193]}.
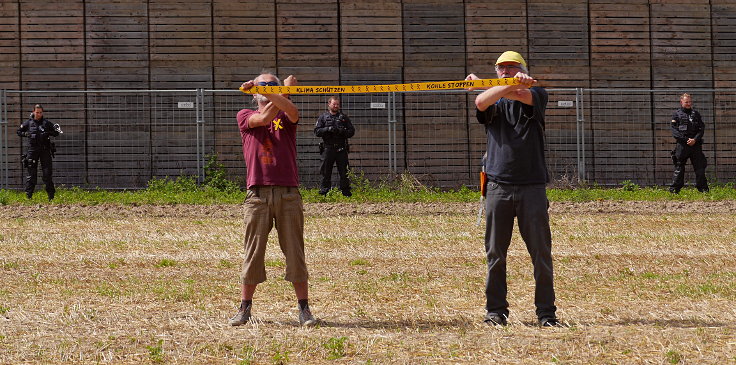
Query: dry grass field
{"type": "Point", "coordinates": [636, 283]}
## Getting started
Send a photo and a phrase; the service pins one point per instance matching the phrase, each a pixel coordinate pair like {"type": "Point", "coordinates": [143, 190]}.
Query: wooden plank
{"type": "Point", "coordinates": [294, 49]}
{"type": "Point", "coordinates": [117, 37]}
{"type": "Point", "coordinates": [369, 36]}
{"type": "Point", "coordinates": [180, 45]}
{"type": "Point", "coordinates": [9, 46]}
{"type": "Point", "coordinates": [55, 32]}
{"type": "Point", "coordinates": [244, 40]}
{"type": "Point", "coordinates": [433, 38]}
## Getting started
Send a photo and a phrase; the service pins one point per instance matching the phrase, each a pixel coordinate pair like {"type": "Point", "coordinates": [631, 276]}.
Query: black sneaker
{"type": "Point", "coordinates": [495, 319]}
{"type": "Point", "coordinates": [550, 322]}
{"type": "Point", "coordinates": [347, 193]}
{"type": "Point", "coordinates": [242, 317]}
{"type": "Point", "coordinates": [674, 191]}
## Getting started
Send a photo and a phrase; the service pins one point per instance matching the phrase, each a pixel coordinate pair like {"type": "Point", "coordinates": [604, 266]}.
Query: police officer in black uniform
{"type": "Point", "coordinates": [38, 130]}
{"type": "Point", "coordinates": [335, 128]}
{"type": "Point", "coordinates": [688, 128]}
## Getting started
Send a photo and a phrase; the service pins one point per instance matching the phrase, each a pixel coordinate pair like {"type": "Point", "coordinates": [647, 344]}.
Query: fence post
{"type": "Point", "coordinates": [580, 119]}
{"type": "Point", "coordinates": [199, 110]}
{"type": "Point", "coordinates": [3, 139]}
{"type": "Point", "coordinates": [392, 132]}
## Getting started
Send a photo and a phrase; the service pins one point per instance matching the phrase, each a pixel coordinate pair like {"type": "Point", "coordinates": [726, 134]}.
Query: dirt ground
{"type": "Point", "coordinates": [337, 209]}
{"type": "Point", "coordinates": [396, 283]}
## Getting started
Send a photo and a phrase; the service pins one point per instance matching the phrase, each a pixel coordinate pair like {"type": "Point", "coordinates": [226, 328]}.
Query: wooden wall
{"type": "Point", "coordinates": [158, 44]}
{"type": "Point", "coordinates": [217, 44]}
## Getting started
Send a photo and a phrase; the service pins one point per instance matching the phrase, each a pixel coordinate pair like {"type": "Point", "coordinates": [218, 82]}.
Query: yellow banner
{"type": "Point", "coordinates": [356, 89]}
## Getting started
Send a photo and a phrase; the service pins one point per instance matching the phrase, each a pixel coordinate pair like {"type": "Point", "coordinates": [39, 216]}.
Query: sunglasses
{"type": "Point", "coordinates": [508, 67]}
{"type": "Point", "coordinates": [270, 83]}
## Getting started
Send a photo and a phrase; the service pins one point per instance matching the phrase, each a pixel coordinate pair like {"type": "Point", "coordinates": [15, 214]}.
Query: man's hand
{"type": "Point", "coordinates": [247, 85]}
{"type": "Point", "coordinates": [290, 81]}
{"type": "Point", "coordinates": [690, 142]}
{"type": "Point", "coordinates": [525, 81]}
{"type": "Point", "coordinates": [473, 77]}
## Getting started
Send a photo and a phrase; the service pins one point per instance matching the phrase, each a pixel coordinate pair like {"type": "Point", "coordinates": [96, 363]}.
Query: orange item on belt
{"type": "Point", "coordinates": [483, 181]}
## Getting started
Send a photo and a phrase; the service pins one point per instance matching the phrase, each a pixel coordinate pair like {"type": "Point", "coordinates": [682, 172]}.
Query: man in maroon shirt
{"type": "Point", "coordinates": [269, 149]}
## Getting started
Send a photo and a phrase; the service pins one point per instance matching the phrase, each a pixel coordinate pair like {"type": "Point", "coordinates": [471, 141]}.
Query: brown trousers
{"type": "Point", "coordinates": [265, 206]}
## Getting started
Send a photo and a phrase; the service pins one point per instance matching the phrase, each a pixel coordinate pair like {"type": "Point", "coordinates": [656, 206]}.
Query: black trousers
{"type": "Point", "coordinates": [334, 156]}
{"type": "Point", "coordinates": [529, 204]}
{"type": "Point", "coordinates": [44, 157]}
{"type": "Point", "coordinates": [699, 162]}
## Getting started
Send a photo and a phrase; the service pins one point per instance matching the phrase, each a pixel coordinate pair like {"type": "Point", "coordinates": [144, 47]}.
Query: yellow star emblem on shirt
{"type": "Point", "coordinates": [277, 124]}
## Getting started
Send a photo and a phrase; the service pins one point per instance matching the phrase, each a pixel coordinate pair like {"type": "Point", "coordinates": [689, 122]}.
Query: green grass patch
{"type": "Point", "coordinates": [10, 265]}
{"type": "Point", "coordinates": [335, 347]}
{"type": "Point", "coordinates": [275, 263]}
{"type": "Point", "coordinates": [166, 263]}
{"type": "Point", "coordinates": [156, 352]}
{"type": "Point", "coordinates": [673, 357]}
{"type": "Point", "coordinates": [225, 264]}
{"type": "Point", "coordinates": [359, 262]}
{"type": "Point", "coordinates": [107, 290]}
{"type": "Point", "coordinates": [216, 189]}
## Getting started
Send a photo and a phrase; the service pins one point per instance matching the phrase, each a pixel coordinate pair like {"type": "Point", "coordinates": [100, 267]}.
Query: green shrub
{"type": "Point", "coordinates": [628, 185]}
{"type": "Point", "coordinates": [215, 176]}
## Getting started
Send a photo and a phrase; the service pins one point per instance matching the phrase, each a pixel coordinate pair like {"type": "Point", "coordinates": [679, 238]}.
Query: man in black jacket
{"type": "Point", "coordinates": [335, 128]}
{"type": "Point", "coordinates": [687, 129]}
{"type": "Point", "coordinates": [38, 130]}
{"type": "Point", "coordinates": [516, 170]}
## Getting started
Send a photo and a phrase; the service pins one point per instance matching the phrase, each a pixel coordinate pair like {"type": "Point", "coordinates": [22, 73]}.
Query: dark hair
{"type": "Point", "coordinates": [37, 106]}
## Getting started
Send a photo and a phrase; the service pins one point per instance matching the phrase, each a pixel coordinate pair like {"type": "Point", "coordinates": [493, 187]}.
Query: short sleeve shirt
{"type": "Point", "coordinates": [515, 140]}
{"type": "Point", "coordinates": [269, 151]}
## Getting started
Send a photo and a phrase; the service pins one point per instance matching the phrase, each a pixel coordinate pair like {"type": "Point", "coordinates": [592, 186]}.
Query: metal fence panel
{"type": "Point", "coordinates": [118, 139]}
{"type": "Point", "coordinates": [630, 139]}
{"type": "Point", "coordinates": [112, 139]}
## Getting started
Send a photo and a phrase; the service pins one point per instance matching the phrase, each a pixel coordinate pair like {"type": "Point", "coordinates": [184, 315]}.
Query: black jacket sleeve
{"type": "Point", "coordinates": [486, 116]}
{"type": "Point", "coordinates": [23, 130]}
{"type": "Point", "coordinates": [320, 129]}
{"type": "Point", "coordinates": [675, 127]}
{"type": "Point", "coordinates": [48, 127]}
{"type": "Point", "coordinates": [700, 127]}
{"type": "Point", "coordinates": [349, 129]}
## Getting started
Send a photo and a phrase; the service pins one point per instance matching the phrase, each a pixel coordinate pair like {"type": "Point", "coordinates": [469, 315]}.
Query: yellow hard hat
{"type": "Point", "coordinates": [511, 56]}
